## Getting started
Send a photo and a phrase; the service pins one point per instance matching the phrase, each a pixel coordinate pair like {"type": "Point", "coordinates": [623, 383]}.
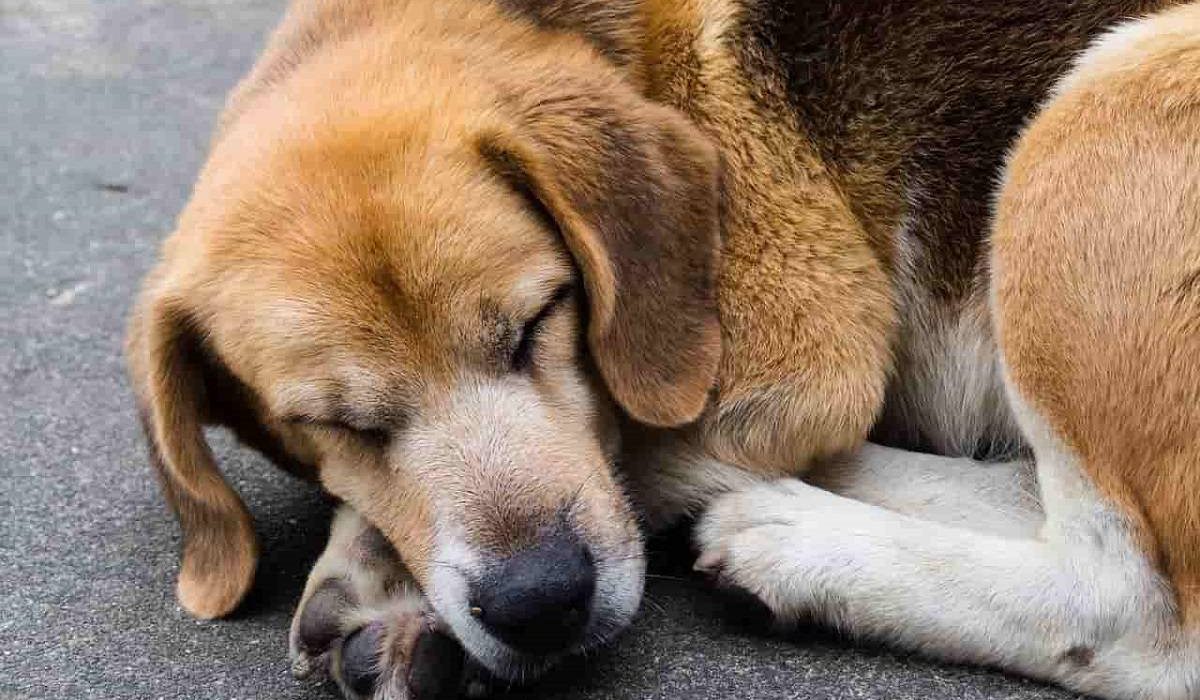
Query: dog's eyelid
{"type": "Point", "coordinates": [316, 422]}
{"type": "Point", "coordinates": [523, 350]}
{"type": "Point", "coordinates": [556, 299]}
{"type": "Point", "coordinates": [336, 424]}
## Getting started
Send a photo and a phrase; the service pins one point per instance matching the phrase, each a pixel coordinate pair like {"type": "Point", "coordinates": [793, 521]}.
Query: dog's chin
{"type": "Point", "coordinates": [620, 578]}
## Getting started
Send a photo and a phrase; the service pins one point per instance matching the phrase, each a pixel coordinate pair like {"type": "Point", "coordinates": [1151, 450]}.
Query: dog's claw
{"type": "Point", "coordinates": [302, 666]}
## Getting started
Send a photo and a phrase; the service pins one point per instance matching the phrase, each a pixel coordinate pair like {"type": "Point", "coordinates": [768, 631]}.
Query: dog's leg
{"type": "Point", "coordinates": [1081, 604]}
{"type": "Point", "coordinates": [995, 497]}
{"type": "Point", "coordinates": [363, 621]}
{"type": "Point", "coordinates": [675, 479]}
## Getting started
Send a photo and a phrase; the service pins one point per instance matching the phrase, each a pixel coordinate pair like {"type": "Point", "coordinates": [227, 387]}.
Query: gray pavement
{"type": "Point", "coordinates": [105, 110]}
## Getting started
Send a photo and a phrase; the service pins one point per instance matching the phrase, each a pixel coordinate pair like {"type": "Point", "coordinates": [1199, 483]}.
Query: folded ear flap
{"type": "Point", "coordinates": [220, 550]}
{"type": "Point", "coordinates": [633, 188]}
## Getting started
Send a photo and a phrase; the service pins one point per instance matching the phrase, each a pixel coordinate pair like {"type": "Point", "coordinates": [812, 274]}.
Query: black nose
{"type": "Point", "coordinates": [538, 600]}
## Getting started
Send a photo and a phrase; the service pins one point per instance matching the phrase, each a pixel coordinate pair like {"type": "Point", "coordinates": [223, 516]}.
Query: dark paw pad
{"type": "Point", "coordinates": [435, 667]}
{"type": "Point", "coordinates": [360, 659]}
{"type": "Point", "coordinates": [320, 621]}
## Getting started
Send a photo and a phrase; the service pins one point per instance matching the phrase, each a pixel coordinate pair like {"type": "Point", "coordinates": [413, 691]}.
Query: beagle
{"type": "Point", "coordinates": [899, 298]}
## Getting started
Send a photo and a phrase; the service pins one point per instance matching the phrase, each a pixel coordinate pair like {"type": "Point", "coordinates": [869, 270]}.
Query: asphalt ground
{"type": "Point", "coordinates": [105, 111]}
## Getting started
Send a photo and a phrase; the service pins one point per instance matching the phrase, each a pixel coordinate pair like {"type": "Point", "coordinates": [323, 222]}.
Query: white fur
{"type": "Point", "coordinates": [671, 481]}
{"type": "Point", "coordinates": [994, 497]}
{"type": "Point", "coordinates": [1079, 604]}
{"type": "Point", "coordinates": [945, 390]}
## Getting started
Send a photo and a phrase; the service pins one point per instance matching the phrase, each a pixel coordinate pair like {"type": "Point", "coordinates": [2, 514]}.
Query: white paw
{"type": "Point", "coordinates": [778, 541]}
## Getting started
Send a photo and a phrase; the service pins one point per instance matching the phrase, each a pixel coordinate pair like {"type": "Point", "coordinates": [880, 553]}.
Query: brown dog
{"type": "Point", "coordinates": [457, 259]}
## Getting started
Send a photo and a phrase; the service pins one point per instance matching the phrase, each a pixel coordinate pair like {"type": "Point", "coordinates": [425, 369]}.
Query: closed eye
{"type": "Point", "coordinates": [522, 355]}
{"type": "Point", "coordinates": [374, 436]}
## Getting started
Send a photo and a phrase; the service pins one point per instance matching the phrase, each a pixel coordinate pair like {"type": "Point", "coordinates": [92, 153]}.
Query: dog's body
{"type": "Point", "coordinates": [861, 148]}
{"type": "Point", "coordinates": [403, 191]}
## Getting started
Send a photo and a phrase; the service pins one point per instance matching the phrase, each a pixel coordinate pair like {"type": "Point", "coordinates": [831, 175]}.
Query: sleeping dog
{"type": "Point", "coordinates": [516, 280]}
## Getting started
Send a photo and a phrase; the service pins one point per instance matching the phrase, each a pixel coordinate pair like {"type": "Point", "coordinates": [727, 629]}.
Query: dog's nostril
{"type": "Point", "coordinates": [539, 599]}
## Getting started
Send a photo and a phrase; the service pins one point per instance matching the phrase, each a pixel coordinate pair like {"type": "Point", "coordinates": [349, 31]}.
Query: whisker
{"type": "Point", "coordinates": [617, 560]}
{"type": "Point", "coordinates": [446, 565]}
{"type": "Point", "coordinates": [569, 509]}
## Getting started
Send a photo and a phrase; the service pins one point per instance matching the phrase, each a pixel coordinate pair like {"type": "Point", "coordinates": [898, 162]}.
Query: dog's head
{"type": "Point", "coordinates": [436, 288]}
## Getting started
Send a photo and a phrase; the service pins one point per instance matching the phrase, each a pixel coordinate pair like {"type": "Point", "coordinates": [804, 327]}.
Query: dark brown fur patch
{"type": "Point", "coordinates": [923, 96]}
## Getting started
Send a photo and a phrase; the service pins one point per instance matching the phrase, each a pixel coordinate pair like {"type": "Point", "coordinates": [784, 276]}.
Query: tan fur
{"type": "Point", "coordinates": [359, 255]}
{"type": "Point", "coordinates": [1097, 256]}
{"type": "Point", "coordinates": [220, 548]}
{"type": "Point", "coordinates": [806, 309]}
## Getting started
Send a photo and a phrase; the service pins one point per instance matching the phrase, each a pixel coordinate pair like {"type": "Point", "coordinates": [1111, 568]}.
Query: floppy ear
{"type": "Point", "coordinates": [167, 368]}
{"type": "Point", "coordinates": [633, 188]}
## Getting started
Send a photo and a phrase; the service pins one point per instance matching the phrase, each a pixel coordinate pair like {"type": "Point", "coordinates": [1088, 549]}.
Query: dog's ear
{"type": "Point", "coordinates": [633, 189]}
{"type": "Point", "coordinates": [169, 369]}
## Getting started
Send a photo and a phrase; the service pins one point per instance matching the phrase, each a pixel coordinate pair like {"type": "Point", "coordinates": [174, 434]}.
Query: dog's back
{"type": "Point", "coordinates": [914, 103]}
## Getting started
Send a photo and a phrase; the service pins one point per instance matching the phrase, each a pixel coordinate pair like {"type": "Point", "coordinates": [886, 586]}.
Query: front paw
{"type": "Point", "coordinates": [767, 541]}
{"type": "Point", "coordinates": [364, 622]}
{"type": "Point", "coordinates": [395, 650]}
{"type": "Point", "coordinates": [403, 655]}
